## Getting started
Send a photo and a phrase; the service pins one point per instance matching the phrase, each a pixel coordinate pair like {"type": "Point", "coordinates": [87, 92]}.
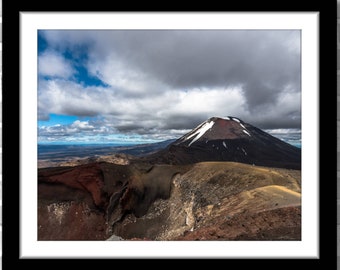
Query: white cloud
{"type": "Point", "coordinates": [208, 102]}
{"type": "Point", "coordinates": [55, 65]}
{"type": "Point", "coordinates": [70, 98]}
{"type": "Point", "coordinates": [82, 125]}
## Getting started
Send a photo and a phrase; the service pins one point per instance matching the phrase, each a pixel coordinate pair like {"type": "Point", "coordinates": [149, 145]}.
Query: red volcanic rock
{"type": "Point", "coordinates": [70, 221]}
{"type": "Point", "coordinates": [99, 180]}
{"type": "Point", "coordinates": [88, 178]}
{"type": "Point", "coordinates": [77, 198]}
{"type": "Point", "coordinates": [275, 224]}
{"type": "Point", "coordinates": [108, 191]}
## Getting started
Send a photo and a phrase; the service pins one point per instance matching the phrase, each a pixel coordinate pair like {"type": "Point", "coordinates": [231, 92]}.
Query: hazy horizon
{"type": "Point", "coordinates": [291, 136]}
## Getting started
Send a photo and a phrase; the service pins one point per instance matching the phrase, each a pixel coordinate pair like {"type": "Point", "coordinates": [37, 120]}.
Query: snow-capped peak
{"type": "Point", "coordinates": [200, 131]}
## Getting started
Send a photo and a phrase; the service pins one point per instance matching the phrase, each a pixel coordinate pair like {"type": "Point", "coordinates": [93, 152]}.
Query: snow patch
{"type": "Point", "coordinates": [244, 151]}
{"type": "Point", "coordinates": [246, 132]}
{"type": "Point", "coordinates": [201, 131]}
{"type": "Point", "coordinates": [226, 118]}
{"type": "Point", "coordinates": [235, 119]}
{"type": "Point", "coordinates": [242, 125]}
{"type": "Point", "coordinates": [225, 146]}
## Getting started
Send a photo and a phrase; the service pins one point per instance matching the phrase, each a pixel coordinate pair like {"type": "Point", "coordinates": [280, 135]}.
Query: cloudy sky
{"type": "Point", "coordinates": [109, 86]}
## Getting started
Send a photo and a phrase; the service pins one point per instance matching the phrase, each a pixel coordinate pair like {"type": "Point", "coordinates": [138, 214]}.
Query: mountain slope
{"type": "Point", "coordinates": [229, 139]}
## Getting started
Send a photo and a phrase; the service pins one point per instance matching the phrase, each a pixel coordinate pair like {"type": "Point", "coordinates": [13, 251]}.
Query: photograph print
{"type": "Point", "coordinates": [170, 135]}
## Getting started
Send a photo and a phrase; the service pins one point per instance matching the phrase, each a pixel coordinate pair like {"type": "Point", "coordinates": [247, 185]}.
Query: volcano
{"type": "Point", "coordinates": [229, 139]}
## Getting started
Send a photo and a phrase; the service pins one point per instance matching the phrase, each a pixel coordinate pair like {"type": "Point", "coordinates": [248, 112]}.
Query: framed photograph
{"type": "Point", "coordinates": [231, 99]}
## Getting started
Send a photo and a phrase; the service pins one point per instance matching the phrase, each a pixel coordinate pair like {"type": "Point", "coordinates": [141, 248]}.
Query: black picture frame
{"type": "Point", "coordinates": [12, 158]}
